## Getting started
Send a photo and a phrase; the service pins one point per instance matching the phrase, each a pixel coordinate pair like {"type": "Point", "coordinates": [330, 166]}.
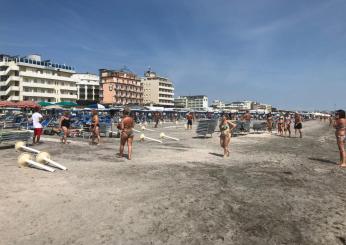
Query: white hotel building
{"type": "Point", "coordinates": [157, 90]}
{"type": "Point", "coordinates": [88, 87]}
{"type": "Point", "coordinates": [30, 78]}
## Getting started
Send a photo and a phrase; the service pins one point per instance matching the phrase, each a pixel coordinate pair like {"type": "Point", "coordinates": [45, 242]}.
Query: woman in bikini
{"type": "Point", "coordinates": [127, 135]}
{"type": "Point", "coordinates": [226, 127]}
{"type": "Point", "coordinates": [270, 122]}
{"type": "Point", "coordinates": [288, 124]}
{"type": "Point", "coordinates": [340, 133]}
{"type": "Point", "coordinates": [298, 125]}
{"type": "Point", "coordinates": [65, 126]}
{"type": "Point", "coordinates": [95, 127]}
{"type": "Point", "coordinates": [281, 126]}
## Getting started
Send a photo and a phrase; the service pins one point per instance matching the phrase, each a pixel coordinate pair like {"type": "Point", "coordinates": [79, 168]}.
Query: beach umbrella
{"type": "Point", "coordinates": [44, 103]}
{"type": "Point", "coordinates": [97, 106]}
{"type": "Point", "coordinates": [53, 107]}
{"type": "Point", "coordinates": [66, 104]}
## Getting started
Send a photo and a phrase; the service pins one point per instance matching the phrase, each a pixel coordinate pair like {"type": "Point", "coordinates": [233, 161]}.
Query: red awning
{"type": "Point", "coordinates": [27, 104]}
{"type": "Point", "coordinates": [7, 104]}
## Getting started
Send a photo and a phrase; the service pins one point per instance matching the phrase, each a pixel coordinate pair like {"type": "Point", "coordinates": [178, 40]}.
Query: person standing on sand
{"type": "Point", "coordinates": [288, 124]}
{"type": "Point", "coordinates": [331, 120]}
{"type": "Point", "coordinates": [156, 118]}
{"type": "Point", "coordinates": [281, 126]}
{"type": "Point", "coordinates": [226, 127]}
{"type": "Point", "coordinates": [126, 126]}
{"type": "Point", "coordinates": [189, 119]}
{"type": "Point", "coordinates": [65, 126]}
{"type": "Point", "coordinates": [95, 128]}
{"type": "Point", "coordinates": [247, 117]}
{"type": "Point", "coordinates": [340, 133]}
{"type": "Point", "coordinates": [36, 121]}
{"type": "Point", "coordinates": [298, 125]}
{"type": "Point", "coordinates": [270, 122]}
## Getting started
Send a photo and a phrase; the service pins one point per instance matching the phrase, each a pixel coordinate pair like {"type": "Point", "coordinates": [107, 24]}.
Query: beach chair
{"type": "Point", "coordinates": [205, 127]}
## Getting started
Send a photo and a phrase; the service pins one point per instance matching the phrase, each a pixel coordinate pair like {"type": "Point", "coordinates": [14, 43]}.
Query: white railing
{"type": "Point", "coordinates": [13, 98]}
{"type": "Point", "coordinates": [46, 76]}
{"type": "Point", "coordinates": [38, 85]}
{"type": "Point", "coordinates": [39, 94]}
{"type": "Point", "coordinates": [68, 96]}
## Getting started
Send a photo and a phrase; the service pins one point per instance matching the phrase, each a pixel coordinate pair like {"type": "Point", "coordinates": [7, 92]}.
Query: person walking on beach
{"type": "Point", "coordinates": [156, 118]}
{"type": "Point", "coordinates": [288, 122]}
{"type": "Point", "coordinates": [270, 122]}
{"type": "Point", "coordinates": [189, 119]}
{"type": "Point", "coordinates": [331, 120]}
{"type": "Point", "coordinates": [36, 121]}
{"type": "Point", "coordinates": [126, 126]}
{"type": "Point", "coordinates": [226, 127]}
{"type": "Point", "coordinates": [65, 126]}
{"type": "Point", "coordinates": [340, 133]}
{"type": "Point", "coordinates": [281, 126]}
{"type": "Point", "coordinates": [95, 128]}
{"type": "Point", "coordinates": [298, 125]}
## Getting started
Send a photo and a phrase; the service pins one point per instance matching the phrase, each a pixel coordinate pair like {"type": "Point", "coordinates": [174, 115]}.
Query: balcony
{"type": "Point", "coordinates": [38, 85]}
{"type": "Point", "coordinates": [8, 90]}
{"type": "Point", "coordinates": [68, 96]}
{"type": "Point", "coordinates": [46, 76]}
{"type": "Point", "coordinates": [39, 94]}
{"type": "Point", "coordinates": [8, 80]}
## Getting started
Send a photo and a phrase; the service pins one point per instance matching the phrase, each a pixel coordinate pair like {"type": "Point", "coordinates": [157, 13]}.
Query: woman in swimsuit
{"type": "Point", "coordinates": [226, 127]}
{"type": "Point", "coordinates": [65, 126]}
{"type": "Point", "coordinates": [270, 122]}
{"type": "Point", "coordinates": [340, 133]}
{"type": "Point", "coordinates": [281, 126]}
{"type": "Point", "coordinates": [95, 127]}
{"type": "Point", "coordinates": [288, 125]}
{"type": "Point", "coordinates": [127, 135]}
{"type": "Point", "coordinates": [298, 124]}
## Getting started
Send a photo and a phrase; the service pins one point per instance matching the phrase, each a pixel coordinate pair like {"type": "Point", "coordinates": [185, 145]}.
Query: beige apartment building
{"type": "Point", "coordinates": [31, 78]}
{"type": "Point", "coordinates": [157, 90]}
{"type": "Point", "coordinates": [120, 87]}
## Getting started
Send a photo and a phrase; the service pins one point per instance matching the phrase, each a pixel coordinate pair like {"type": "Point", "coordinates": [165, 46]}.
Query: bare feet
{"type": "Point", "coordinates": [343, 165]}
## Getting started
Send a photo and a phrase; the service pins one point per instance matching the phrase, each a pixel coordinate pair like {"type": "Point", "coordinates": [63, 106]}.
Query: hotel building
{"type": "Point", "coordinates": [30, 78]}
{"type": "Point", "coordinates": [120, 87]}
{"type": "Point", "coordinates": [157, 90]}
{"type": "Point", "coordinates": [195, 102]}
{"type": "Point", "coordinates": [88, 87]}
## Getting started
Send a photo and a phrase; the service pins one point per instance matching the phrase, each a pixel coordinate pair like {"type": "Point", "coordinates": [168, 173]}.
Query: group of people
{"type": "Point", "coordinates": [126, 126]}
{"type": "Point", "coordinates": [284, 124]}
{"type": "Point", "coordinates": [64, 127]}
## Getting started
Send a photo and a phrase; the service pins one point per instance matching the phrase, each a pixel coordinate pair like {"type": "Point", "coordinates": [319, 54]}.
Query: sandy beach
{"type": "Point", "coordinates": [271, 190]}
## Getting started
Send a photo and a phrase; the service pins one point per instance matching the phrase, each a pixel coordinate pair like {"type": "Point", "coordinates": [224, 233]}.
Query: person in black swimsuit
{"type": "Point", "coordinates": [65, 124]}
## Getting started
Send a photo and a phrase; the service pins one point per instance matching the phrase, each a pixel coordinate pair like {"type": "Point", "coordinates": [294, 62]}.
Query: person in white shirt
{"type": "Point", "coordinates": [36, 121]}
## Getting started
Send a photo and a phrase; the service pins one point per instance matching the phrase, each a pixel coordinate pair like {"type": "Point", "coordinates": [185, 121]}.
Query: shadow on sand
{"type": "Point", "coordinates": [322, 160]}
{"type": "Point", "coordinates": [216, 154]}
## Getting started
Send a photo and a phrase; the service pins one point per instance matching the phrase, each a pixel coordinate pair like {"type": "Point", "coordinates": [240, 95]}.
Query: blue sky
{"type": "Point", "coordinates": [290, 53]}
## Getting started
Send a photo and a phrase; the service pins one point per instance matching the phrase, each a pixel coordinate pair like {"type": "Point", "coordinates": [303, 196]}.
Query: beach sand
{"type": "Point", "coordinates": [271, 190]}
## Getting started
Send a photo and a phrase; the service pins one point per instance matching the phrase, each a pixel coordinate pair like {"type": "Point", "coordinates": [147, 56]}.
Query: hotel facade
{"type": "Point", "coordinates": [120, 87]}
{"type": "Point", "coordinates": [88, 87]}
{"type": "Point", "coordinates": [195, 102]}
{"type": "Point", "coordinates": [34, 79]}
{"type": "Point", "coordinates": [157, 90]}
